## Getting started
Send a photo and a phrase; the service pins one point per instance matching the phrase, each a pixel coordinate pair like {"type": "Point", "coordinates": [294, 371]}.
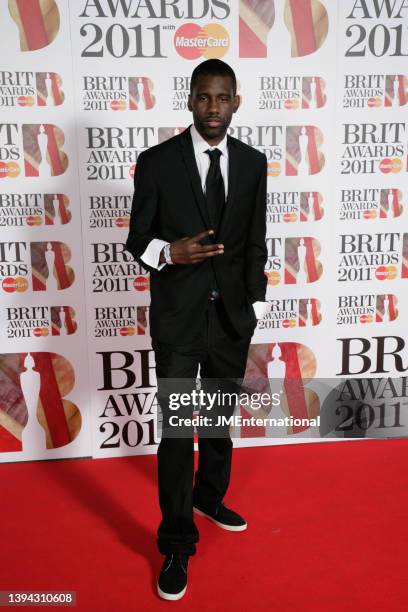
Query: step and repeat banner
{"type": "Point", "coordinates": [85, 87]}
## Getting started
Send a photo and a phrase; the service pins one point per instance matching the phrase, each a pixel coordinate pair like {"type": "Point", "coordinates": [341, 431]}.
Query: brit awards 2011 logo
{"type": "Point", "coordinates": [111, 29]}
{"type": "Point", "coordinates": [114, 269]}
{"type": "Point", "coordinates": [368, 257]}
{"type": "Point", "coordinates": [39, 321]}
{"type": "Point", "coordinates": [41, 415]}
{"type": "Point", "coordinates": [34, 209]}
{"type": "Point", "coordinates": [38, 26]}
{"type": "Point", "coordinates": [121, 321]}
{"type": "Point", "coordinates": [42, 150]}
{"type": "Point", "coordinates": [292, 261]}
{"type": "Point", "coordinates": [127, 393]}
{"type": "Point", "coordinates": [111, 211]}
{"type": "Point", "coordinates": [281, 28]}
{"type": "Point", "coordinates": [290, 313]}
{"type": "Point", "coordinates": [35, 266]}
{"type": "Point", "coordinates": [374, 355]}
{"type": "Point", "coordinates": [293, 206]}
{"type": "Point", "coordinates": [291, 92]}
{"type": "Point", "coordinates": [375, 29]}
{"type": "Point", "coordinates": [117, 93]}
{"type": "Point", "coordinates": [367, 308]}
{"type": "Point", "coordinates": [370, 148]}
{"type": "Point", "coordinates": [113, 151]}
{"type": "Point", "coordinates": [28, 89]}
{"type": "Point", "coordinates": [369, 203]}
{"type": "Point", "coordinates": [375, 91]}
{"type": "Point", "coordinates": [193, 41]}
{"type": "Point", "coordinates": [180, 88]}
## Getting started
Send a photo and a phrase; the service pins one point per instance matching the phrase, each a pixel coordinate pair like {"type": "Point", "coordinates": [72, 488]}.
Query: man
{"type": "Point", "coordinates": [198, 223]}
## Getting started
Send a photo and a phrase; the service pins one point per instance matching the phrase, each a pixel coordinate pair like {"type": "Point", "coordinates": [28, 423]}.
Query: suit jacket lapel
{"type": "Point", "coordinates": [232, 183]}
{"type": "Point", "coordinates": [187, 151]}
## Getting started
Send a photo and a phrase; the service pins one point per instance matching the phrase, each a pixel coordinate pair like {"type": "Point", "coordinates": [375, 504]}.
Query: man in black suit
{"type": "Point", "coordinates": [198, 223]}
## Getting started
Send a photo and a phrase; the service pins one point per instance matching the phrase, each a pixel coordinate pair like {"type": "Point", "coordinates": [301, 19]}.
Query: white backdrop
{"type": "Point", "coordinates": [85, 86]}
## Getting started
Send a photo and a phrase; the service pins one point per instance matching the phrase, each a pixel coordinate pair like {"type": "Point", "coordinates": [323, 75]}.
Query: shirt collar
{"type": "Point", "coordinates": [200, 145]}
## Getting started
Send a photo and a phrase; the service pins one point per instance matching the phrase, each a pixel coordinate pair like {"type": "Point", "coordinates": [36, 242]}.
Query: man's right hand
{"type": "Point", "coordinates": [190, 251]}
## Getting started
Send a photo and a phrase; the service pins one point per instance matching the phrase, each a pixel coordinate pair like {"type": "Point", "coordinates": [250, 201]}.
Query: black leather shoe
{"type": "Point", "coordinates": [224, 517]}
{"type": "Point", "coordinates": [172, 583]}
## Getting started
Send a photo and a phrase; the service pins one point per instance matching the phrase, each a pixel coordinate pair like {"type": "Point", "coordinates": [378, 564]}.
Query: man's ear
{"type": "Point", "coordinates": [237, 102]}
{"type": "Point", "coordinates": [189, 103]}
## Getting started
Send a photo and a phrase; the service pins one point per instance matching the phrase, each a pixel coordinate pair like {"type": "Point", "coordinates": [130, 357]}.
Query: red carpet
{"type": "Point", "coordinates": [327, 531]}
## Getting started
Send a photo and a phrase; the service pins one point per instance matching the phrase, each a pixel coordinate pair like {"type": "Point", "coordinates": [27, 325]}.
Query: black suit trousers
{"type": "Point", "coordinates": [221, 355]}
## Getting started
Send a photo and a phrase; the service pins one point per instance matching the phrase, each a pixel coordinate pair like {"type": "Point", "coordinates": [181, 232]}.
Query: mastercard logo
{"type": "Point", "coordinates": [386, 272]}
{"type": "Point", "coordinates": [40, 332]}
{"type": "Point", "coordinates": [127, 331]}
{"type": "Point", "coordinates": [118, 105]}
{"type": "Point", "coordinates": [273, 277]}
{"type": "Point", "coordinates": [374, 102]}
{"type": "Point", "coordinates": [192, 41]}
{"type": "Point", "coordinates": [25, 101]}
{"type": "Point", "coordinates": [31, 221]}
{"type": "Point", "coordinates": [370, 214]}
{"type": "Point", "coordinates": [122, 222]}
{"type": "Point", "coordinates": [14, 285]}
{"type": "Point", "coordinates": [9, 169]}
{"type": "Point", "coordinates": [390, 165]}
{"type": "Point", "coordinates": [366, 318]}
{"type": "Point", "coordinates": [289, 323]}
{"type": "Point", "coordinates": [290, 217]}
{"type": "Point", "coordinates": [274, 168]}
{"type": "Point", "coordinates": [291, 104]}
{"type": "Point", "coordinates": [141, 283]}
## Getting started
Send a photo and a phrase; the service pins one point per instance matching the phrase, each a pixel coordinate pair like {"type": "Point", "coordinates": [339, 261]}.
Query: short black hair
{"type": "Point", "coordinates": [213, 67]}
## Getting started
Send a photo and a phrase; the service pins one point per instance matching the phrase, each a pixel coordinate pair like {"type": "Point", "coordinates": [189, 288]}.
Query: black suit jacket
{"type": "Point", "coordinates": [169, 204]}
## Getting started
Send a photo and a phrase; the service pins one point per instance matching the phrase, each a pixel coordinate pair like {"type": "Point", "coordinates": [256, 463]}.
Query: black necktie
{"type": "Point", "coordinates": [214, 188]}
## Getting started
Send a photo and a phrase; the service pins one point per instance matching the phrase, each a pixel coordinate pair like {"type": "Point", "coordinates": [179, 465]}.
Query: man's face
{"type": "Point", "coordinates": [213, 103]}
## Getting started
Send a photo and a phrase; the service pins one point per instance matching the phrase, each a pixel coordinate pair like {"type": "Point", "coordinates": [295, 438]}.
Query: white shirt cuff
{"type": "Point", "coordinates": [261, 309]}
{"type": "Point", "coordinates": [151, 256]}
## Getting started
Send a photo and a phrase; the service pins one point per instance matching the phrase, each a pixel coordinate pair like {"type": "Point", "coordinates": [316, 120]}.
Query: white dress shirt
{"type": "Point", "coordinates": [151, 256]}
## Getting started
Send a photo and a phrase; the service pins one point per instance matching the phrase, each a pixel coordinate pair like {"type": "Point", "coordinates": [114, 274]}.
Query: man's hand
{"type": "Point", "coordinates": [190, 251]}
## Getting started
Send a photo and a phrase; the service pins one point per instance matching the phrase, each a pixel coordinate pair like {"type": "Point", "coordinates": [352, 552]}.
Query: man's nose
{"type": "Point", "coordinates": [214, 106]}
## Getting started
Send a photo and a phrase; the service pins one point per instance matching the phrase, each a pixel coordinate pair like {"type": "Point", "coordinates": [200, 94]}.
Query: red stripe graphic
{"type": "Point", "coordinates": [315, 313]}
{"type": "Point", "coordinates": [146, 93]}
{"type": "Point", "coordinates": [51, 401]}
{"type": "Point", "coordinates": [316, 207]}
{"type": "Point", "coordinates": [53, 150]}
{"type": "Point", "coordinates": [395, 203]}
{"type": "Point", "coordinates": [61, 209]}
{"type": "Point", "coordinates": [249, 43]}
{"type": "Point", "coordinates": [8, 443]}
{"type": "Point", "coordinates": [60, 266]}
{"type": "Point", "coordinates": [303, 26]}
{"type": "Point", "coordinates": [33, 23]}
{"type": "Point", "coordinates": [56, 94]}
{"type": "Point", "coordinates": [68, 320]}
{"type": "Point", "coordinates": [294, 384]}
{"type": "Point", "coordinates": [312, 150]}
{"type": "Point", "coordinates": [401, 89]}
{"type": "Point", "coordinates": [391, 307]}
{"type": "Point", "coordinates": [310, 260]}
{"type": "Point", "coordinates": [319, 92]}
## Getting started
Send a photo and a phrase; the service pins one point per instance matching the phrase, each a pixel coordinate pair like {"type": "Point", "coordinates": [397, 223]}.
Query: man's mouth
{"type": "Point", "coordinates": [213, 122]}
